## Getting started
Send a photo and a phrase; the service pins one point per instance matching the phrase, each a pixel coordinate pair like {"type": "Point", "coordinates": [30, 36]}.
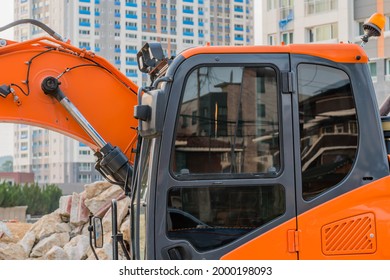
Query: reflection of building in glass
{"type": "Point", "coordinates": [229, 122]}
{"type": "Point", "coordinates": [328, 128]}
{"type": "Point", "coordinates": [330, 21]}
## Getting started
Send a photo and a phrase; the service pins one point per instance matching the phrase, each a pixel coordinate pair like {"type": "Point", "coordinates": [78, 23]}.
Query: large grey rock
{"type": "Point", "coordinates": [65, 205]}
{"type": "Point", "coordinates": [77, 248]}
{"type": "Point", "coordinates": [49, 224]}
{"type": "Point", "coordinates": [12, 251]}
{"type": "Point", "coordinates": [4, 230]}
{"type": "Point", "coordinates": [122, 210]}
{"type": "Point", "coordinates": [27, 242]}
{"type": "Point", "coordinates": [104, 253]}
{"type": "Point", "coordinates": [99, 204]}
{"type": "Point", "coordinates": [56, 253]}
{"type": "Point", "coordinates": [96, 188]}
{"type": "Point", "coordinates": [79, 213]}
{"type": "Point", "coordinates": [125, 229]}
{"type": "Point", "coordinates": [44, 245]}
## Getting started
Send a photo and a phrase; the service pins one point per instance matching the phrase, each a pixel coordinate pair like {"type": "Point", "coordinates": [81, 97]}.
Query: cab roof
{"type": "Point", "coordinates": [342, 53]}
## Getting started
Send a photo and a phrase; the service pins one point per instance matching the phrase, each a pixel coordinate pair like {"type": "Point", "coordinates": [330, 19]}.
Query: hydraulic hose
{"type": "Point", "coordinates": [46, 28]}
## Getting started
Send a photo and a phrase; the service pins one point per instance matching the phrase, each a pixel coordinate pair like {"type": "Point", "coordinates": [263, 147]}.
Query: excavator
{"type": "Point", "coordinates": [231, 152]}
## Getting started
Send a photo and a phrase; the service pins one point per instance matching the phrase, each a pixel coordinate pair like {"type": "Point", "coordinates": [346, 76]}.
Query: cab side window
{"type": "Point", "coordinates": [228, 122]}
{"type": "Point", "coordinates": [328, 127]}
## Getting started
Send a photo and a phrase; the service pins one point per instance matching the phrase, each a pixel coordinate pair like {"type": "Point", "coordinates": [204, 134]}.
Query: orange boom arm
{"type": "Point", "coordinates": [104, 96]}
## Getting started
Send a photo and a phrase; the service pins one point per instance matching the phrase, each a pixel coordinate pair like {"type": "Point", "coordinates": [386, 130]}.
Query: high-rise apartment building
{"type": "Point", "coordinates": [116, 30]}
{"type": "Point", "coordinates": [53, 157]}
{"type": "Point", "coordinates": [331, 21]}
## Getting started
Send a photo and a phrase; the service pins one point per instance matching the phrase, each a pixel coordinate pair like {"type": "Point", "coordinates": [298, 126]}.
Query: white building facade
{"type": "Point", "coordinates": [331, 21]}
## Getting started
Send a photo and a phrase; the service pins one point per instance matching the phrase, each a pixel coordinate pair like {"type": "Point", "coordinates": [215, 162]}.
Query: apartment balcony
{"type": "Point", "coordinates": [188, 11]}
{"type": "Point", "coordinates": [131, 63]}
{"type": "Point", "coordinates": [84, 12]}
{"type": "Point", "coordinates": [286, 16]}
{"type": "Point", "coordinates": [131, 16]}
{"type": "Point", "coordinates": [85, 24]}
{"type": "Point", "coordinates": [131, 4]}
{"type": "Point", "coordinates": [131, 75]}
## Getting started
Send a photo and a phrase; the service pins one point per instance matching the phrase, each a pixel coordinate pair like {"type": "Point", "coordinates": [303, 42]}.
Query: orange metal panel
{"type": "Point", "coordinates": [343, 53]}
{"type": "Point", "coordinates": [352, 235]}
{"type": "Point", "coordinates": [355, 225]}
{"type": "Point", "coordinates": [102, 94]}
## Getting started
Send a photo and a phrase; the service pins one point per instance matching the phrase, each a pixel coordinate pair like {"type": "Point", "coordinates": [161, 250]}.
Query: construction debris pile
{"type": "Point", "coordinates": [64, 235]}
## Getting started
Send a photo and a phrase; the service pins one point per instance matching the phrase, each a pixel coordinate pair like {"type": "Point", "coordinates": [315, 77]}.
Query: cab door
{"type": "Point", "coordinates": [225, 176]}
{"type": "Point", "coordinates": [340, 160]}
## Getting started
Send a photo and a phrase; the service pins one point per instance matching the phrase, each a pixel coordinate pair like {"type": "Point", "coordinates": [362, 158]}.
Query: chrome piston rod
{"type": "Point", "coordinates": [83, 122]}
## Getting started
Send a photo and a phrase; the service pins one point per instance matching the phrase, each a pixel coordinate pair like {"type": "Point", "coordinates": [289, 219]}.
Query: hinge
{"type": "Point", "coordinates": [293, 240]}
{"type": "Point", "coordinates": [287, 82]}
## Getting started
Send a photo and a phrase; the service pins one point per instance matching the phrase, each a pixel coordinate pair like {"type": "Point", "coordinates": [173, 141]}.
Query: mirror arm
{"type": "Point", "coordinates": [90, 229]}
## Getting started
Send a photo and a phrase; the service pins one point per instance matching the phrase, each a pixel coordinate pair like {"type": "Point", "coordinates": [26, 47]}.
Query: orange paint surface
{"type": "Point", "coordinates": [343, 53]}
{"type": "Point", "coordinates": [105, 97]}
{"type": "Point", "coordinates": [355, 225]}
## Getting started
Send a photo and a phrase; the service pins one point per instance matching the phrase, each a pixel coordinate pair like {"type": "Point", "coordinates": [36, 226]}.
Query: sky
{"type": "Point", "coordinates": [6, 131]}
{"type": "Point", "coordinates": [6, 17]}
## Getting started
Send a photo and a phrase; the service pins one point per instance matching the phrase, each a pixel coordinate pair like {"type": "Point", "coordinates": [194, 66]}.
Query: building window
{"type": "Point", "coordinates": [387, 23]}
{"type": "Point", "coordinates": [271, 4]}
{"type": "Point", "coordinates": [320, 6]}
{"type": "Point", "coordinates": [287, 38]}
{"type": "Point", "coordinates": [84, 152]}
{"type": "Point", "coordinates": [23, 146]}
{"type": "Point", "coordinates": [372, 66]}
{"type": "Point", "coordinates": [23, 134]}
{"type": "Point", "coordinates": [272, 39]}
{"type": "Point", "coordinates": [360, 30]}
{"type": "Point", "coordinates": [323, 32]}
{"type": "Point", "coordinates": [85, 166]}
{"type": "Point", "coordinates": [387, 69]}
{"type": "Point", "coordinates": [84, 178]}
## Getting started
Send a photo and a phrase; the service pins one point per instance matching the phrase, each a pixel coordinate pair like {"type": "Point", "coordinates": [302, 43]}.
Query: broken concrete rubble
{"type": "Point", "coordinates": [64, 235]}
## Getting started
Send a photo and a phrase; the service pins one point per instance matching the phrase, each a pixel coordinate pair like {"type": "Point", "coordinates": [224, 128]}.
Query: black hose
{"type": "Point", "coordinates": [46, 28]}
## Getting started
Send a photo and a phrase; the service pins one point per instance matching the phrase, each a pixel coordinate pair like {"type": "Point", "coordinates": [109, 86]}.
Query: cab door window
{"type": "Point", "coordinates": [228, 123]}
{"type": "Point", "coordinates": [328, 127]}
